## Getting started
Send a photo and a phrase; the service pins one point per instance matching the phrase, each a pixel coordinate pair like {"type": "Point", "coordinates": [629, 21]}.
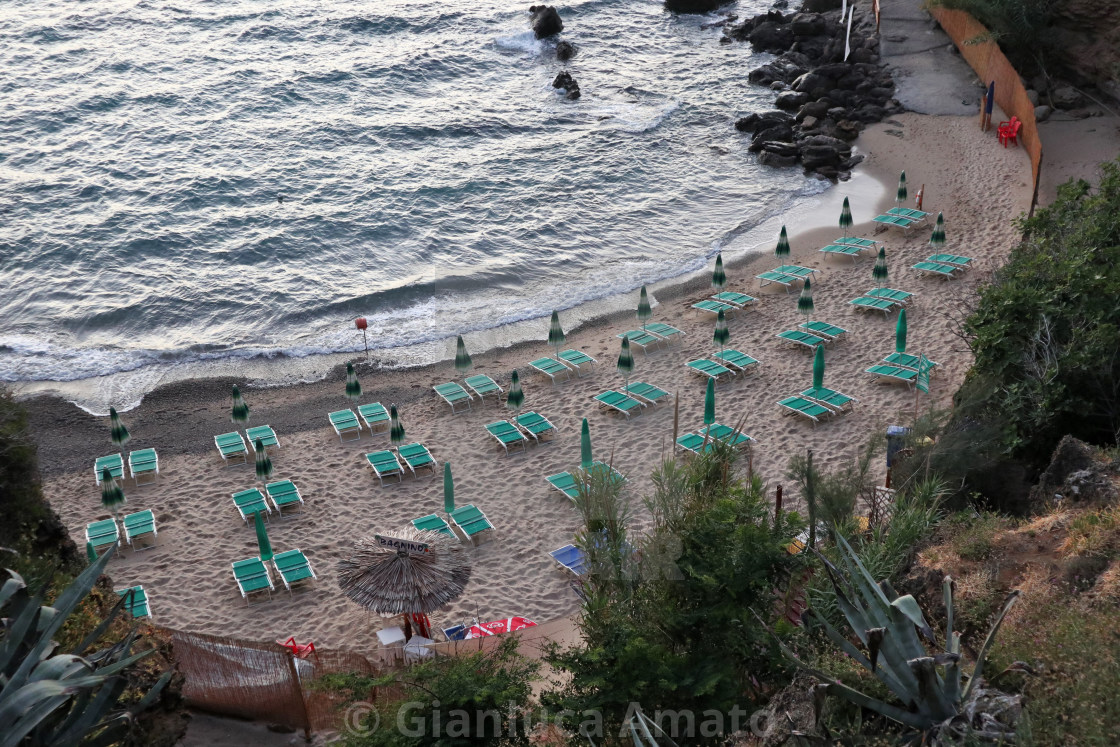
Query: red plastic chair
{"type": "Point", "coordinates": [300, 651]}
{"type": "Point", "coordinates": [1009, 131]}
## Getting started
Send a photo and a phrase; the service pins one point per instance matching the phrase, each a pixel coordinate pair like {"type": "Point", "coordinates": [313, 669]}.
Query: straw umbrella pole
{"type": "Point", "coordinates": [118, 434]}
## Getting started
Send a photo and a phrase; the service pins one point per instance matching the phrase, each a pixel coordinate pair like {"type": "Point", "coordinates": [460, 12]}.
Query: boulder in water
{"type": "Point", "coordinates": [564, 50]}
{"type": "Point", "coordinates": [566, 82]}
{"type": "Point", "coordinates": [693, 6]}
{"type": "Point", "coordinates": [545, 21]}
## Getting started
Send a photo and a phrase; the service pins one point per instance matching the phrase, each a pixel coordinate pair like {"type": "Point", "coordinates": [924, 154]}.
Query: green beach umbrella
{"type": "Point", "coordinates": [585, 446]}
{"type": "Point", "coordinates": [719, 277]}
{"type": "Point", "coordinates": [721, 334]}
{"type": "Point", "coordinates": [805, 300]}
{"type": "Point", "coordinates": [625, 361]}
{"type": "Point", "coordinates": [900, 197]}
{"type": "Point", "coordinates": [710, 403]}
{"type": "Point", "coordinates": [879, 271]}
{"type": "Point", "coordinates": [263, 543]}
{"type": "Point", "coordinates": [937, 238]}
{"type": "Point", "coordinates": [781, 251]}
{"type": "Point", "coordinates": [463, 361]}
{"type": "Point", "coordinates": [396, 428]}
{"type": "Point", "coordinates": [555, 333]}
{"type": "Point", "coordinates": [91, 554]}
{"type": "Point", "coordinates": [900, 333]}
{"type": "Point", "coordinates": [112, 497]}
{"type": "Point", "coordinates": [846, 217]}
{"type": "Point", "coordinates": [118, 434]}
{"type": "Point", "coordinates": [644, 310]}
{"type": "Point", "coordinates": [353, 386]}
{"type": "Point", "coordinates": [264, 464]}
{"type": "Point", "coordinates": [818, 368]}
{"type": "Point", "coordinates": [515, 398]}
{"type": "Point", "coordinates": [448, 489]}
{"type": "Point", "coordinates": [240, 412]}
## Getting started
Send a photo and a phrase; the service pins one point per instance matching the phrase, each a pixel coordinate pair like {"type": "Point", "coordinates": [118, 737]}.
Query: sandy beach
{"type": "Point", "coordinates": [981, 188]}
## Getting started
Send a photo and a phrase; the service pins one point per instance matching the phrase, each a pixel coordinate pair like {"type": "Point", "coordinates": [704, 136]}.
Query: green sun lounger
{"type": "Point", "coordinates": [284, 493]}
{"type": "Point", "coordinates": [906, 360]}
{"type": "Point", "coordinates": [780, 278]}
{"type": "Point", "coordinates": [642, 339]}
{"type": "Point", "coordinates": [618, 401]}
{"type": "Point", "coordinates": [709, 368]}
{"type": "Point", "coordinates": [249, 502]}
{"type": "Point", "coordinates": [471, 522]}
{"type": "Point", "coordinates": [266, 435]}
{"type": "Point", "coordinates": [453, 394]}
{"type": "Point", "coordinates": [694, 442]}
{"type": "Point", "coordinates": [144, 462]}
{"type": "Point", "coordinates": [534, 424]}
{"type": "Point", "coordinates": [432, 523]}
{"type": "Point", "coordinates": [855, 241]}
{"type": "Point", "coordinates": [894, 373]}
{"type": "Point", "coordinates": [252, 576]}
{"type": "Point", "coordinates": [823, 329]}
{"type": "Point", "coordinates": [136, 601]}
{"type": "Point", "coordinates": [568, 482]}
{"type": "Point", "coordinates": [483, 385]}
{"type": "Point", "coordinates": [908, 213]}
{"type": "Point", "coordinates": [345, 421]}
{"type": "Point", "coordinates": [937, 268]}
{"type": "Point", "coordinates": [103, 533]}
{"type": "Point", "coordinates": [830, 398]}
{"type": "Point", "coordinates": [661, 329]}
{"type": "Point", "coordinates": [417, 456]}
{"type": "Point", "coordinates": [894, 220]}
{"type": "Point", "coordinates": [506, 434]}
{"type": "Point", "coordinates": [889, 294]}
{"type": "Point", "coordinates": [874, 304]}
{"type": "Point", "coordinates": [801, 337]}
{"type": "Point", "coordinates": [139, 524]}
{"type": "Point", "coordinates": [742, 300]}
{"type": "Point", "coordinates": [804, 407]}
{"type": "Point", "coordinates": [643, 391]}
{"type": "Point", "coordinates": [375, 416]}
{"type": "Point", "coordinates": [844, 249]}
{"type": "Point", "coordinates": [726, 433]}
{"type": "Point", "coordinates": [114, 463]}
{"type": "Point", "coordinates": [950, 259]}
{"type": "Point", "coordinates": [384, 464]}
{"type": "Point", "coordinates": [736, 360]}
{"type": "Point", "coordinates": [714, 307]}
{"type": "Point", "coordinates": [551, 368]}
{"type": "Point", "coordinates": [231, 446]}
{"type": "Point", "coordinates": [293, 567]}
{"type": "Point", "coordinates": [575, 359]}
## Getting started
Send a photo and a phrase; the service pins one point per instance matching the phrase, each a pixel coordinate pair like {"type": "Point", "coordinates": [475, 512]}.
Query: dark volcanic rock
{"type": "Point", "coordinates": [807, 24]}
{"type": "Point", "coordinates": [779, 132]}
{"type": "Point", "coordinates": [790, 100]}
{"type": "Point", "coordinates": [819, 6]}
{"type": "Point", "coordinates": [545, 20]}
{"type": "Point", "coordinates": [762, 120]}
{"type": "Point", "coordinates": [693, 6]}
{"type": "Point", "coordinates": [766, 158]}
{"type": "Point", "coordinates": [565, 50]}
{"type": "Point", "coordinates": [565, 81]}
{"type": "Point", "coordinates": [771, 37]}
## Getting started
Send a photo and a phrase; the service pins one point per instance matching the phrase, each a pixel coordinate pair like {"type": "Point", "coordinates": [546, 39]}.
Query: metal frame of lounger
{"type": "Point", "coordinates": [844, 250]}
{"type": "Point", "coordinates": [736, 359]}
{"type": "Point", "coordinates": [452, 388]}
{"type": "Point", "coordinates": [903, 360]}
{"type": "Point", "coordinates": [256, 575]}
{"type": "Point", "coordinates": [139, 459]}
{"type": "Point", "coordinates": [570, 558]}
{"type": "Point", "coordinates": [493, 428]}
{"type": "Point", "coordinates": [114, 463]}
{"type": "Point", "coordinates": [894, 373]}
{"type": "Point", "coordinates": [856, 241]}
{"type": "Point", "coordinates": [894, 220]}
{"type": "Point", "coordinates": [265, 433]}
{"type": "Point", "coordinates": [432, 523]}
{"type": "Point", "coordinates": [102, 537]}
{"type": "Point", "coordinates": [667, 331]}
{"type": "Point", "coordinates": [575, 359]}
{"type": "Point", "coordinates": [557, 367]}
{"type": "Point", "coordinates": [721, 432]}
{"type": "Point", "coordinates": [474, 522]}
{"type": "Point", "coordinates": [137, 600]}
{"type": "Point", "coordinates": [399, 471]}
{"type": "Point", "coordinates": [374, 413]}
{"type": "Point", "coordinates": [714, 307]}
{"type": "Point", "coordinates": [937, 268]}
{"type": "Point", "coordinates": [874, 304]}
{"type": "Point", "coordinates": [243, 451]}
{"type": "Point", "coordinates": [417, 450]}
{"type": "Point", "coordinates": [614, 405]}
{"type": "Point", "coordinates": [302, 563]}
{"type": "Point", "coordinates": [916, 216]}
{"type": "Point", "coordinates": [243, 504]}
{"type": "Point", "coordinates": [890, 294]}
{"type": "Point", "coordinates": [486, 385]}
{"type": "Point", "coordinates": [647, 389]}
{"type": "Point", "coordinates": [642, 339]}
{"type": "Point", "coordinates": [139, 524]}
{"type": "Point", "coordinates": [536, 434]}
{"type": "Point", "coordinates": [802, 338]}
{"type": "Point", "coordinates": [800, 406]}
{"type": "Point", "coordinates": [741, 300]}
{"type": "Point", "coordinates": [343, 424]}
{"type": "Point", "coordinates": [828, 398]}
{"type": "Point", "coordinates": [823, 329]}
{"type": "Point", "coordinates": [777, 277]}
{"type": "Point", "coordinates": [273, 491]}
{"type": "Point", "coordinates": [951, 259]}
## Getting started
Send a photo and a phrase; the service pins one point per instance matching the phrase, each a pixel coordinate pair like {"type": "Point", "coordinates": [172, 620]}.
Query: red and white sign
{"type": "Point", "coordinates": [499, 626]}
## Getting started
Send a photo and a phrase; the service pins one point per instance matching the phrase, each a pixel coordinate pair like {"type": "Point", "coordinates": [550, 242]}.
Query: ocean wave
{"type": "Point", "coordinates": [634, 117]}
{"type": "Point", "coordinates": [524, 42]}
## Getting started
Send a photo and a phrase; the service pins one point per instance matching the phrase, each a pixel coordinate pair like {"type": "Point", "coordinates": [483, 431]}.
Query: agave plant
{"type": "Point", "coordinates": [934, 699]}
{"type": "Point", "coordinates": [51, 698]}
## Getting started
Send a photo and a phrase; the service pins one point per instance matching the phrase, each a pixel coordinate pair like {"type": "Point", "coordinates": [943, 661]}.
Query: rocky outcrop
{"type": "Point", "coordinates": [568, 84]}
{"type": "Point", "coordinates": [565, 51]}
{"type": "Point", "coordinates": [1075, 474]}
{"type": "Point", "coordinates": [545, 21]}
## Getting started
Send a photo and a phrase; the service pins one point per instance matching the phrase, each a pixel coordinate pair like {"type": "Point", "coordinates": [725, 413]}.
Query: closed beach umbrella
{"type": "Point", "coordinates": [263, 543]}
{"type": "Point", "coordinates": [585, 446]}
{"type": "Point", "coordinates": [515, 398]}
{"type": "Point", "coordinates": [846, 217]}
{"type": "Point", "coordinates": [448, 489]}
{"type": "Point", "coordinates": [900, 333]}
{"type": "Point", "coordinates": [91, 554]}
{"type": "Point", "coordinates": [463, 361]}
{"type": "Point", "coordinates": [396, 428]}
{"type": "Point", "coordinates": [625, 361]}
{"type": "Point", "coordinates": [879, 271]}
{"type": "Point", "coordinates": [719, 277]}
{"type": "Point", "coordinates": [353, 386]}
{"type": "Point", "coordinates": [937, 238]}
{"type": "Point", "coordinates": [112, 496]}
{"type": "Point", "coordinates": [805, 300]}
{"type": "Point", "coordinates": [117, 432]}
{"type": "Point", "coordinates": [240, 411]}
{"type": "Point", "coordinates": [644, 311]}
{"type": "Point", "coordinates": [781, 251]}
{"type": "Point", "coordinates": [710, 403]}
{"type": "Point", "coordinates": [818, 368]}
{"type": "Point", "coordinates": [264, 464]}
{"type": "Point", "coordinates": [900, 197]}
{"type": "Point", "coordinates": [721, 334]}
{"type": "Point", "coordinates": [555, 333]}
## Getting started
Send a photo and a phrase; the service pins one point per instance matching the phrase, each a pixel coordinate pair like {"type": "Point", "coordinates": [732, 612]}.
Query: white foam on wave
{"type": "Point", "coordinates": [525, 42]}
{"type": "Point", "coordinates": [634, 117]}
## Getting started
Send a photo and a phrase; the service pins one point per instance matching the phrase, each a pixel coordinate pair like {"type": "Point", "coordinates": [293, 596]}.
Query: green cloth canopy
{"type": "Point", "coordinates": [805, 300]}
{"type": "Point", "coordinates": [625, 363]}
{"type": "Point", "coordinates": [396, 428]}
{"type": "Point", "coordinates": [937, 238]}
{"type": "Point", "coordinates": [710, 403]}
{"type": "Point", "coordinates": [900, 196]}
{"type": "Point", "coordinates": [118, 434]}
{"type": "Point", "coordinates": [585, 446]}
{"type": "Point", "coordinates": [448, 489]}
{"type": "Point", "coordinates": [555, 333]}
{"type": "Point", "coordinates": [719, 277]}
{"type": "Point", "coordinates": [644, 310]}
{"type": "Point", "coordinates": [264, 464]}
{"type": "Point", "coordinates": [900, 333]}
{"type": "Point", "coordinates": [91, 554]}
{"type": "Point", "coordinates": [463, 361]}
{"type": "Point", "coordinates": [263, 543]}
{"type": "Point", "coordinates": [846, 217]}
{"type": "Point", "coordinates": [721, 334]}
{"type": "Point", "coordinates": [781, 251]}
{"type": "Point", "coordinates": [879, 271]}
{"type": "Point", "coordinates": [818, 368]}
{"type": "Point", "coordinates": [240, 411]}
{"type": "Point", "coordinates": [112, 496]}
{"type": "Point", "coordinates": [515, 398]}
{"type": "Point", "coordinates": [353, 386]}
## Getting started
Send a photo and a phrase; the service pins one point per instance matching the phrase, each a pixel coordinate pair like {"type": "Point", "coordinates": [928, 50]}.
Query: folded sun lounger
{"type": "Point", "coordinates": [741, 300]}
{"type": "Point", "coordinates": [384, 464]}
{"type": "Point", "coordinates": [889, 294]}
{"type": "Point", "coordinates": [875, 304]}
{"type": "Point", "coordinates": [114, 463]}
{"type": "Point", "coordinates": [708, 368]}
{"type": "Point", "coordinates": [432, 523]}
{"type": "Point", "coordinates": [894, 373]}
{"type": "Point", "coordinates": [714, 307]}
{"type": "Point", "coordinates": [506, 434]}
{"type": "Point", "coordinates": [252, 576]}
{"type": "Point", "coordinates": [575, 359]}
{"type": "Point", "coordinates": [801, 337]}
{"type": "Point", "coordinates": [293, 567]}
{"type": "Point", "coordinates": [643, 391]}
{"type": "Point", "coordinates": [534, 424]}
{"type": "Point", "coordinates": [139, 524]}
{"type": "Point", "coordinates": [736, 359]}
{"type": "Point", "coordinates": [417, 456]}
{"type": "Point", "coordinates": [642, 339]}
{"type": "Point", "coordinates": [906, 360]}
{"type": "Point", "coordinates": [471, 522]}
{"type": "Point", "coordinates": [937, 268]}
{"type": "Point", "coordinates": [266, 435]}
{"type": "Point", "coordinates": [136, 601]}
{"type": "Point", "coordinates": [375, 416]}
{"type": "Point", "coordinates": [571, 558]}
{"type": "Point", "coordinates": [830, 398]}
{"type": "Point", "coordinates": [143, 462]}
{"type": "Point", "coordinates": [807, 408]}
{"type": "Point", "coordinates": [453, 394]}
{"type": "Point", "coordinates": [103, 533]}
{"type": "Point", "coordinates": [249, 502]}
{"type": "Point", "coordinates": [284, 493]}
{"type": "Point", "coordinates": [345, 421]}
{"type": "Point", "coordinates": [231, 446]}
{"type": "Point", "coordinates": [894, 220]}
{"type": "Point", "coordinates": [823, 329]}
{"type": "Point", "coordinates": [661, 329]}
{"type": "Point", "coordinates": [551, 368]}
{"type": "Point", "coordinates": [483, 385]}
{"type": "Point", "coordinates": [950, 259]}
{"type": "Point", "coordinates": [613, 400]}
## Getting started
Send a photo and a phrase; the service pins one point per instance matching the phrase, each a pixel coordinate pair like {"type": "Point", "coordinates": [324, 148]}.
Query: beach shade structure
{"type": "Point", "coordinates": [818, 368]}
{"type": "Point", "coordinates": [497, 627]}
{"type": "Point", "coordinates": [264, 463]}
{"type": "Point", "coordinates": [585, 446]}
{"type": "Point", "coordinates": [625, 363]}
{"type": "Point", "coordinates": [264, 545]}
{"type": "Point", "coordinates": [91, 554]}
{"type": "Point", "coordinates": [118, 434]}
{"type": "Point", "coordinates": [515, 397]}
{"type": "Point", "coordinates": [112, 496]}
{"type": "Point", "coordinates": [405, 572]}
{"type": "Point", "coordinates": [937, 238]}
{"type": "Point", "coordinates": [710, 403]}
{"type": "Point", "coordinates": [644, 310]}
{"type": "Point", "coordinates": [805, 300]}
{"type": "Point", "coordinates": [240, 411]}
{"type": "Point", "coordinates": [900, 196]}
{"type": "Point", "coordinates": [781, 251]}
{"type": "Point", "coordinates": [555, 333]}
{"type": "Point", "coordinates": [448, 489]}
{"type": "Point", "coordinates": [396, 428]}
{"type": "Point", "coordinates": [721, 334]}
{"type": "Point", "coordinates": [846, 217]}
{"type": "Point", "coordinates": [463, 361]}
{"type": "Point", "coordinates": [719, 277]}
{"type": "Point", "coordinates": [900, 333]}
{"type": "Point", "coordinates": [879, 271]}
{"type": "Point", "coordinates": [353, 386]}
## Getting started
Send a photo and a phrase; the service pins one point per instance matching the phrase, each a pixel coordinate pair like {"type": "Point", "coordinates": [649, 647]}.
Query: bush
{"type": "Point", "coordinates": [1022, 28]}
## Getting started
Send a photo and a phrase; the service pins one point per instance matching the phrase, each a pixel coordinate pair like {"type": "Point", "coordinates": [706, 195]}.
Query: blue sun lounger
{"type": "Point", "coordinates": [571, 558]}
{"type": "Point", "coordinates": [453, 394]}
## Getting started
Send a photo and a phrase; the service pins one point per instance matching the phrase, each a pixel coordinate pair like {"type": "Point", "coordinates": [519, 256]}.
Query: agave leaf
{"type": "Point", "coordinates": [114, 668]}
{"type": "Point", "coordinates": [46, 615]}
{"type": "Point", "coordinates": [863, 573]}
{"type": "Point", "coordinates": [97, 632]}
{"type": "Point", "coordinates": [888, 590]}
{"type": "Point", "coordinates": [905, 636]}
{"type": "Point", "coordinates": [13, 732]}
{"type": "Point", "coordinates": [16, 634]}
{"type": "Point", "coordinates": [894, 713]}
{"type": "Point", "coordinates": [931, 692]}
{"type": "Point", "coordinates": [22, 709]}
{"type": "Point", "coordinates": [94, 712]}
{"type": "Point", "coordinates": [978, 670]}
{"type": "Point", "coordinates": [10, 587]}
{"type": "Point", "coordinates": [947, 590]}
{"type": "Point", "coordinates": [61, 667]}
{"type": "Point", "coordinates": [110, 733]}
{"type": "Point", "coordinates": [874, 641]}
{"type": "Point", "coordinates": [908, 606]}
{"type": "Point", "coordinates": [152, 694]}
{"type": "Point", "coordinates": [885, 674]}
{"type": "Point", "coordinates": [76, 709]}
